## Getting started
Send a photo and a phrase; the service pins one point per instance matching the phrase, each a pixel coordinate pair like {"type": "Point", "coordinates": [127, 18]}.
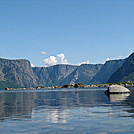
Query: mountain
{"type": "Point", "coordinates": [53, 75]}
{"type": "Point", "coordinates": [82, 74]}
{"type": "Point", "coordinates": [106, 71]}
{"type": "Point", "coordinates": [58, 75]}
{"type": "Point", "coordinates": [125, 72]}
{"type": "Point", "coordinates": [17, 73]}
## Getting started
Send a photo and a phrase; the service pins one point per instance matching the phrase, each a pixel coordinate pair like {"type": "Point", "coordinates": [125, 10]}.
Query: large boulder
{"type": "Point", "coordinates": [116, 89]}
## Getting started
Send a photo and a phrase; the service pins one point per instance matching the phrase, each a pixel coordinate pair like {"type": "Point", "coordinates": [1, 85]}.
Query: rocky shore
{"type": "Point", "coordinates": [77, 85]}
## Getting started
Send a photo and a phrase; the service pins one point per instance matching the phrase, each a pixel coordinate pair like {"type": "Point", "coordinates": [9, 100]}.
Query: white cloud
{"type": "Point", "coordinates": [53, 60]}
{"type": "Point", "coordinates": [43, 53]}
{"type": "Point", "coordinates": [50, 61]}
{"type": "Point", "coordinates": [61, 59]}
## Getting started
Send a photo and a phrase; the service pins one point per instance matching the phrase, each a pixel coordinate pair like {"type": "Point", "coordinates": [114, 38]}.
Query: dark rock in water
{"type": "Point", "coordinates": [116, 89]}
{"type": "Point", "coordinates": [79, 85]}
{"type": "Point", "coordinates": [68, 86]}
{"type": "Point", "coordinates": [76, 85]}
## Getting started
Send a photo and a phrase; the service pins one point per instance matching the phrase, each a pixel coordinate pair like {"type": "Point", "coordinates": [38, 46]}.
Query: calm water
{"type": "Point", "coordinates": [65, 111]}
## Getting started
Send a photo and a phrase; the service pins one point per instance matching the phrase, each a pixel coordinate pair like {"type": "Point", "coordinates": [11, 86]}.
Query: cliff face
{"type": "Point", "coordinates": [53, 75]}
{"type": "Point", "coordinates": [125, 72]}
{"type": "Point", "coordinates": [83, 74]}
{"type": "Point", "coordinates": [66, 74]}
{"type": "Point", "coordinates": [106, 71]}
{"type": "Point", "coordinates": [17, 73]}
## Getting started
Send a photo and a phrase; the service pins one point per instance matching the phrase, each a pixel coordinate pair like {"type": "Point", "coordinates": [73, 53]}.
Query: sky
{"type": "Point", "coordinates": [49, 32]}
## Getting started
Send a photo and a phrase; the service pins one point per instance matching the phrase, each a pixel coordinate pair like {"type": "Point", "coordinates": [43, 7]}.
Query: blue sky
{"type": "Point", "coordinates": [48, 32]}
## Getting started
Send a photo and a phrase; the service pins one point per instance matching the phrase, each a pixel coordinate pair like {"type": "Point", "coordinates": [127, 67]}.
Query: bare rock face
{"type": "Point", "coordinates": [106, 71]}
{"type": "Point", "coordinates": [117, 89]}
{"type": "Point", "coordinates": [61, 74]}
{"type": "Point", "coordinates": [125, 72]}
{"type": "Point", "coordinates": [17, 73]}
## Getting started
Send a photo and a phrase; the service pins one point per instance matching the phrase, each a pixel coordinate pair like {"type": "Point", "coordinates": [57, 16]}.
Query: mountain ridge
{"type": "Point", "coordinates": [106, 71]}
{"type": "Point", "coordinates": [19, 73]}
{"type": "Point", "coordinates": [59, 74]}
{"type": "Point", "coordinates": [124, 71]}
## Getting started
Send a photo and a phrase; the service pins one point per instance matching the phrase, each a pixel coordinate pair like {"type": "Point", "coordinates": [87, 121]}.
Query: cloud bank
{"type": "Point", "coordinates": [53, 60]}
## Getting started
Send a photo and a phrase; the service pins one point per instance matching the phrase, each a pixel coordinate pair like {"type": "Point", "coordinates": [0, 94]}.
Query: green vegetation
{"type": "Point", "coordinates": [123, 83]}
{"type": "Point", "coordinates": [9, 84]}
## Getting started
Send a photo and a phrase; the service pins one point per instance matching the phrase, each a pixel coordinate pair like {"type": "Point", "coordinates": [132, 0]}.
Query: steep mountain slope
{"type": "Point", "coordinates": [125, 72]}
{"type": "Point", "coordinates": [106, 71]}
{"type": "Point", "coordinates": [53, 75]}
{"type": "Point", "coordinates": [16, 73]}
{"type": "Point", "coordinates": [66, 74]}
{"type": "Point", "coordinates": [83, 74]}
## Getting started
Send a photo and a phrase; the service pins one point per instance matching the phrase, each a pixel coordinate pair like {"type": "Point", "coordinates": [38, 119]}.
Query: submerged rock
{"type": "Point", "coordinates": [116, 89]}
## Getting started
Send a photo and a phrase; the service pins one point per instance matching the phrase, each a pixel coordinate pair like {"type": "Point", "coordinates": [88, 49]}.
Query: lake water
{"type": "Point", "coordinates": [66, 111]}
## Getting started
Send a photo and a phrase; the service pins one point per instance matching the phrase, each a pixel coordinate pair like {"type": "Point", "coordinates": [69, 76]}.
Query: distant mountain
{"type": "Point", "coordinates": [53, 75]}
{"type": "Point", "coordinates": [125, 72]}
{"type": "Point", "coordinates": [82, 74]}
{"type": "Point", "coordinates": [58, 75]}
{"type": "Point", "coordinates": [106, 71]}
{"type": "Point", "coordinates": [17, 73]}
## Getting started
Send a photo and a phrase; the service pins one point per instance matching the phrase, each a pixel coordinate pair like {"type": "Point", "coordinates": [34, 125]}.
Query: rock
{"type": "Point", "coordinates": [68, 86]}
{"type": "Point", "coordinates": [79, 85]}
{"type": "Point", "coordinates": [40, 87]}
{"type": "Point", "coordinates": [116, 89]}
{"type": "Point", "coordinates": [7, 88]}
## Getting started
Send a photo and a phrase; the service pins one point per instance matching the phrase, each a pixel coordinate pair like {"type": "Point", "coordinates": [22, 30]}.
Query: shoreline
{"type": "Point", "coordinates": [76, 85]}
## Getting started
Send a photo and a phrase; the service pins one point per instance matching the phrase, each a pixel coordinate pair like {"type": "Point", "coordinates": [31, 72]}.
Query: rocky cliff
{"type": "Point", "coordinates": [83, 74]}
{"type": "Point", "coordinates": [53, 75]}
{"type": "Point", "coordinates": [58, 75]}
{"type": "Point", "coordinates": [125, 72]}
{"type": "Point", "coordinates": [17, 73]}
{"type": "Point", "coordinates": [106, 71]}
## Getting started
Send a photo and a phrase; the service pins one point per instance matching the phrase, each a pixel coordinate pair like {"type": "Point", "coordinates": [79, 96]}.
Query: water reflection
{"type": "Point", "coordinates": [122, 105]}
{"type": "Point", "coordinates": [56, 104]}
{"type": "Point", "coordinates": [65, 111]}
{"type": "Point", "coordinates": [23, 103]}
{"type": "Point", "coordinates": [57, 116]}
{"type": "Point", "coordinates": [16, 104]}
{"type": "Point", "coordinates": [118, 97]}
